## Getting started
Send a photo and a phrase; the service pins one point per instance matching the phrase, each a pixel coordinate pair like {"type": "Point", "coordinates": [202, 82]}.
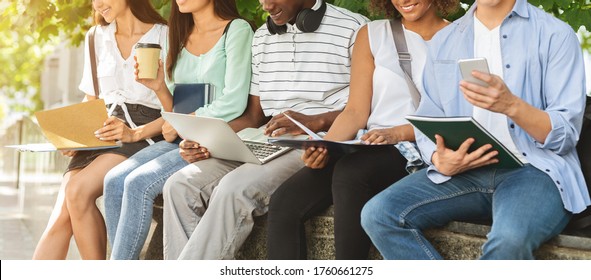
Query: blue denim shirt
{"type": "Point", "coordinates": [543, 65]}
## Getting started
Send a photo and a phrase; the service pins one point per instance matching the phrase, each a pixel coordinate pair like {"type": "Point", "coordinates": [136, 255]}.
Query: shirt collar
{"type": "Point", "coordinates": [110, 31]}
{"type": "Point", "coordinates": [520, 9]}
{"type": "Point", "coordinates": [292, 28]}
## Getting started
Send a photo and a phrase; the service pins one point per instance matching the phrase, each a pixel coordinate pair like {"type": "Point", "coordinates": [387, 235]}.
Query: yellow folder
{"type": "Point", "coordinates": [72, 127]}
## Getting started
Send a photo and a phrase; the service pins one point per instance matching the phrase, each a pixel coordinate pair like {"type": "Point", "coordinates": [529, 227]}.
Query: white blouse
{"type": "Point", "coordinates": [115, 73]}
{"type": "Point", "coordinates": [391, 100]}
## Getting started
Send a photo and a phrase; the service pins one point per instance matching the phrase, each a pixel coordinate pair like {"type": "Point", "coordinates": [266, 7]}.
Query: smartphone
{"type": "Point", "coordinates": [478, 64]}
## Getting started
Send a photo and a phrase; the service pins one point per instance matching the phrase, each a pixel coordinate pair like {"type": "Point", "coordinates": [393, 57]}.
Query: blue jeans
{"type": "Point", "coordinates": [130, 190]}
{"type": "Point", "coordinates": [524, 205]}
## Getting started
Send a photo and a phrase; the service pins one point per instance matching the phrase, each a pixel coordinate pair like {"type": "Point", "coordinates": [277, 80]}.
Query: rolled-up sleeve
{"type": "Point", "coordinates": [564, 92]}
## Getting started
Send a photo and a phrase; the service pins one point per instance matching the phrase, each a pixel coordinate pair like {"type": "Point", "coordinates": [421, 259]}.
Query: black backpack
{"type": "Point", "coordinates": [583, 219]}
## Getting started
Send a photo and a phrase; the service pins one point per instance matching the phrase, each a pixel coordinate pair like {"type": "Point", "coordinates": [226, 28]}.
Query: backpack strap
{"type": "Point", "coordinates": [92, 51]}
{"type": "Point", "coordinates": [404, 59]}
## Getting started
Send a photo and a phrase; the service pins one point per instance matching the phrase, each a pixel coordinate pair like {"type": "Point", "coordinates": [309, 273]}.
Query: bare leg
{"type": "Point", "coordinates": [88, 225]}
{"type": "Point", "coordinates": [55, 241]}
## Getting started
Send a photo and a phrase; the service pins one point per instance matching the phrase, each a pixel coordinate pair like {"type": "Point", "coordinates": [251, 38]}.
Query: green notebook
{"type": "Point", "coordinates": [455, 130]}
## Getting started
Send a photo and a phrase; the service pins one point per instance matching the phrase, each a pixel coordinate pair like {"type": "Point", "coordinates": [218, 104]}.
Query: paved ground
{"type": "Point", "coordinates": [20, 226]}
{"type": "Point", "coordinates": [24, 213]}
{"type": "Point", "coordinates": [16, 240]}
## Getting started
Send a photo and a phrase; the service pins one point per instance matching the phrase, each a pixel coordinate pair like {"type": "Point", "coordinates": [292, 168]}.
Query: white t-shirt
{"type": "Point", "coordinates": [305, 72]}
{"type": "Point", "coordinates": [116, 74]}
{"type": "Point", "coordinates": [392, 100]}
{"type": "Point", "coordinates": [487, 44]}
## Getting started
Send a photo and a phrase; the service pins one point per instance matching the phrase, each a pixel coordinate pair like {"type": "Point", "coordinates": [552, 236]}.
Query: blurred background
{"type": "Point", "coordinates": [41, 57]}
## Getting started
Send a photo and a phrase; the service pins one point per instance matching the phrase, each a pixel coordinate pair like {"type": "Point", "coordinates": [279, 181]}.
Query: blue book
{"type": "Point", "coordinates": [187, 98]}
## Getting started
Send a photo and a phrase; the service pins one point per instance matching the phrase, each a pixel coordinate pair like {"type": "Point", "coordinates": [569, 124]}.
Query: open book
{"type": "Point", "coordinates": [71, 128]}
{"type": "Point", "coordinates": [455, 130]}
{"type": "Point", "coordinates": [317, 141]}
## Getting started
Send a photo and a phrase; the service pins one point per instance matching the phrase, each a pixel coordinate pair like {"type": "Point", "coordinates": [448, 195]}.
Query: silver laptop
{"type": "Point", "coordinates": [249, 145]}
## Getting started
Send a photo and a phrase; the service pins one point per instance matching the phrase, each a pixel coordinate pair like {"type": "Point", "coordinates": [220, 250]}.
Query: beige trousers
{"type": "Point", "coordinates": [209, 205]}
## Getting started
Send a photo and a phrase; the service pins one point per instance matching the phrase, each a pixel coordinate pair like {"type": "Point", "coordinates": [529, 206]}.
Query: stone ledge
{"type": "Point", "coordinates": [461, 241]}
{"type": "Point", "coordinates": [456, 241]}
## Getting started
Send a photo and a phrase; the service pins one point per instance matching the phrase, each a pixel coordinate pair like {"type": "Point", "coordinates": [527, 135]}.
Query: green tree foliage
{"type": "Point", "coordinates": [30, 28]}
{"type": "Point", "coordinates": [575, 12]}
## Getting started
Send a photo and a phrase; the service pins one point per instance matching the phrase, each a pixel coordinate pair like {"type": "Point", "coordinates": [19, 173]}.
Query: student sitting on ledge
{"type": "Point", "coordinates": [533, 103]}
{"type": "Point", "coordinates": [380, 98]}
{"type": "Point", "coordinates": [206, 45]}
{"type": "Point", "coordinates": [300, 67]}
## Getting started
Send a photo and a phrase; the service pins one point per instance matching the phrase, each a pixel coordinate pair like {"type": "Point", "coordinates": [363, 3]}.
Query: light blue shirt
{"type": "Point", "coordinates": [543, 65]}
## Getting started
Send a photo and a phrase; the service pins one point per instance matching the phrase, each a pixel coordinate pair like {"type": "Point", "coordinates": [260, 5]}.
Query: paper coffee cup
{"type": "Point", "coordinates": [147, 56]}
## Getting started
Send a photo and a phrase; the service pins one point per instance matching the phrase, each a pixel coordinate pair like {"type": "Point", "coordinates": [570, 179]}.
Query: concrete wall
{"type": "Point", "coordinates": [60, 77]}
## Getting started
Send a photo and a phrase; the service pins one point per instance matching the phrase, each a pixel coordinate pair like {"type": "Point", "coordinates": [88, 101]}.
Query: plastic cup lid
{"type": "Point", "coordinates": [147, 45]}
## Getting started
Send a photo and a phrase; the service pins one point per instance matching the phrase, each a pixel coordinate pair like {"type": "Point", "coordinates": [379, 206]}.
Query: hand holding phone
{"type": "Point", "coordinates": [478, 64]}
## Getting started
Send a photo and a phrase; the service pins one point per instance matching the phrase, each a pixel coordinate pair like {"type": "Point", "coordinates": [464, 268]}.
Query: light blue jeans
{"type": "Point", "coordinates": [130, 190]}
{"type": "Point", "coordinates": [524, 205]}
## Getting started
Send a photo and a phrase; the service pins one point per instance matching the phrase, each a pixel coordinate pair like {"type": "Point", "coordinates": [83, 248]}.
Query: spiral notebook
{"type": "Point", "coordinates": [455, 130]}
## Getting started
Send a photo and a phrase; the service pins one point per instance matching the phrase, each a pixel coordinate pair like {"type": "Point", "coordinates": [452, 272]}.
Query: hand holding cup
{"type": "Point", "coordinates": [149, 69]}
{"type": "Point", "coordinates": [147, 57]}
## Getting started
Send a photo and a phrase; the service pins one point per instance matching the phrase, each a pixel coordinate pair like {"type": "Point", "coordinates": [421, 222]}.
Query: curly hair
{"type": "Point", "coordinates": [387, 9]}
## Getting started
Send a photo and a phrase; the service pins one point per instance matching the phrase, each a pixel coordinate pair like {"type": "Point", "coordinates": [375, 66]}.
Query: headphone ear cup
{"type": "Point", "coordinates": [274, 28]}
{"type": "Point", "coordinates": [309, 20]}
{"type": "Point", "coordinates": [301, 19]}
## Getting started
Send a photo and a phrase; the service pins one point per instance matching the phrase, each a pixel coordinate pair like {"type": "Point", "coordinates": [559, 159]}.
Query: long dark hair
{"type": "Point", "coordinates": [141, 9]}
{"type": "Point", "coordinates": [385, 7]}
{"type": "Point", "coordinates": [181, 25]}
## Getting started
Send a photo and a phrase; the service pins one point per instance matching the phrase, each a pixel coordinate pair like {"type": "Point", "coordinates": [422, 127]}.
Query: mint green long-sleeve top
{"type": "Point", "coordinates": [227, 66]}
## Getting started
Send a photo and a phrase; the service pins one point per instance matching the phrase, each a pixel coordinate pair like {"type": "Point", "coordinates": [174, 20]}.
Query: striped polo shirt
{"type": "Point", "coordinates": [305, 72]}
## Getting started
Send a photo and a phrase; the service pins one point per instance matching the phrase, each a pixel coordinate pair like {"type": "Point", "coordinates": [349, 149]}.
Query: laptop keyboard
{"type": "Point", "coordinates": [263, 150]}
